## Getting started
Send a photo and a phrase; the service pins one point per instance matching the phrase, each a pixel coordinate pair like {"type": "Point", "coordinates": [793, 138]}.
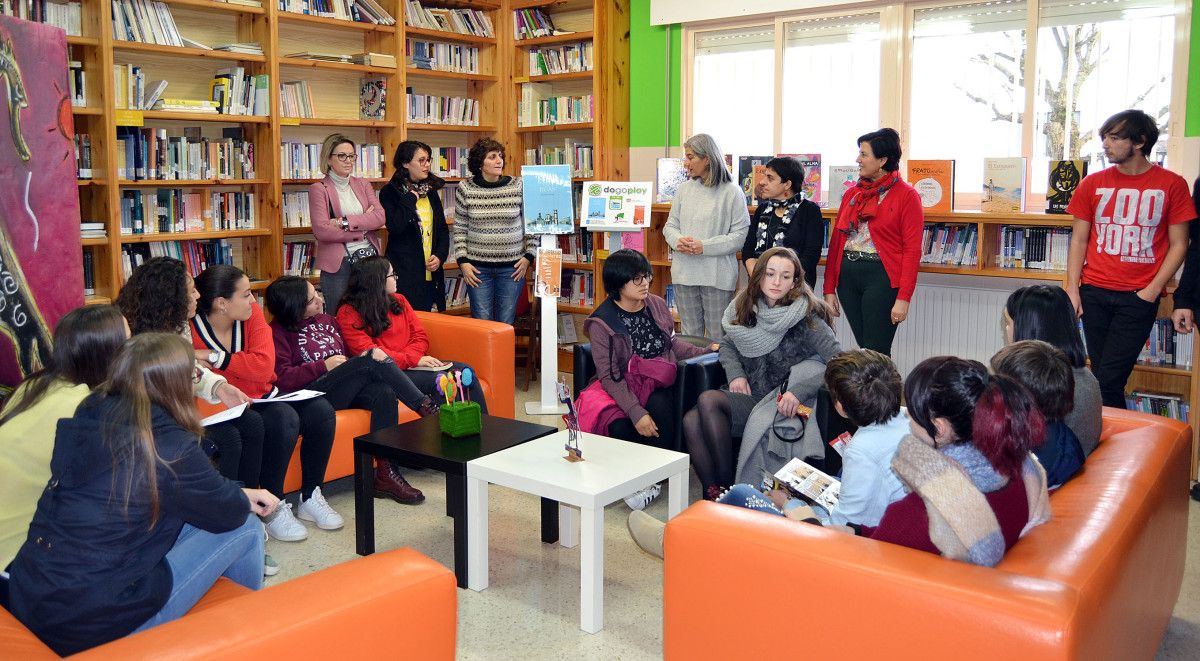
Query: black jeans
{"type": "Point", "coordinates": [1115, 327]}
{"type": "Point", "coordinates": [365, 383]}
{"type": "Point", "coordinates": [866, 297]}
{"type": "Point", "coordinates": [427, 383]}
{"type": "Point", "coordinates": [661, 407]}
{"type": "Point", "coordinates": [239, 444]}
{"type": "Point", "coordinates": [284, 422]}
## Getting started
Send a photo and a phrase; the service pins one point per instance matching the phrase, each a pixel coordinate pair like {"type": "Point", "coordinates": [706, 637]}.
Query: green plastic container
{"type": "Point", "coordinates": [460, 419]}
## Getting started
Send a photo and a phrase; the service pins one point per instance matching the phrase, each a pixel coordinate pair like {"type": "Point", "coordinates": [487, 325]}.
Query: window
{"type": "Point", "coordinates": [1096, 59]}
{"type": "Point", "coordinates": [830, 87]}
{"type": "Point", "coordinates": [968, 88]}
{"type": "Point", "coordinates": [733, 95]}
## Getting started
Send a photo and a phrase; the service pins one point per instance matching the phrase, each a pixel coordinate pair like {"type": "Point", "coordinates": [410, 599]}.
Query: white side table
{"type": "Point", "coordinates": [611, 470]}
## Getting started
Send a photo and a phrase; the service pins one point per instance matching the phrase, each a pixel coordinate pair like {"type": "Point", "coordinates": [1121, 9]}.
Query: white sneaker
{"type": "Point", "coordinates": [318, 511]}
{"type": "Point", "coordinates": [283, 525]}
{"type": "Point", "coordinates": [638, 500]}
{"type": "Point", "coordinates": [270, 567]}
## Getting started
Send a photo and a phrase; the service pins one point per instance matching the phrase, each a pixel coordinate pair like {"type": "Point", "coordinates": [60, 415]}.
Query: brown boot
{"type": "Point", "coordinates": [389, 483]}
{"type": "Point", "coordinates": [427, 408]}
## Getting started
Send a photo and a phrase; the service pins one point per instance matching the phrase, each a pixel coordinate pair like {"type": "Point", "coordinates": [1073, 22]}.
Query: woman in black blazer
{"type": "Point", "coordinates": [785, 218]}
{"type": "Point", "coordinates": [418, 239]}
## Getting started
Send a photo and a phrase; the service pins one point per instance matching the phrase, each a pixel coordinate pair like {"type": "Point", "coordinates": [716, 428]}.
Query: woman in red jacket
{"type": "Point", "coordinates": [230, 333]}
{"type": "Point", "coordinates": [374, 316]}
{"type": "Point", "coordinates": [875, 245]}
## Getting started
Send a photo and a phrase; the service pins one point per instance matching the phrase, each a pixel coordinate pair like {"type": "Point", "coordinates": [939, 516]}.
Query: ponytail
{"type": "Point", "coordinates": [1007, 425]}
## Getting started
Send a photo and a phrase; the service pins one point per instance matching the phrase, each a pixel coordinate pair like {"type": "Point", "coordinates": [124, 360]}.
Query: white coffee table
{"type": "Point", "coordinates": [611, 470]}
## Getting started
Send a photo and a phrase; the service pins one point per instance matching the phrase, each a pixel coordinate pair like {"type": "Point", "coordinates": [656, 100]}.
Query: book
{"type": "Point", "coordinates": [749, 175]}
{"type": "Point", "coordinates": [1064, 179]}
{"type": "Point", "coordinates": [934, 181]}
{"type": "Point", "coordinates": [805, 481]}
{"type": "Point", "coordinates": [548, 282]}
{"type": "Point", "coordinates": [1003, 185]}
{"type": "Point", "coordinates": [372, 98]}
{"type": "Point", "coordinates": [546, 194]}
{"type": "Point", "coordinates": [812, 175]}
{"type": "Point", "coordinates": [669, 174]}
{"type": "Point", "coordinates": [841, 179]}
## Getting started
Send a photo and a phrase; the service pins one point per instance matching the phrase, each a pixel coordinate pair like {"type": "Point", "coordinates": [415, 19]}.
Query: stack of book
{"type": "Point", "coordinates": [83, 156]}
{"type": "Point", "coordinates": [433, 109]}
{"type": "Point", "coordinates": [196, 255]}
{"type": "Point", "coordinates": [1165, 346]}
{"type": "Point", "coordinates": [299, 257]}
{"type": "Point", "coordinates": [244, 48]}
{"type": "Point", "coordinates": [145, 22]}
{"type": "Point", "coordinates": [456, 292]}
{"type": "Point", "coordinates": [568, 58]}
{"type": "Point", "coordinates": [532, 23]}
{"type": "Point", "coordinates": [177, 210]}
{"type": "Point", "coordinates": [575, 154]}
{"type": "Point", "coordinates": [462, 21]}
{"type": "Point", "coordinates": [89, 273]}
{"type": "Point", "coordinates": [300, 160]}
{"type": "Point", "coordinates": [449, 162]}
{"type": "Point", "coordinates": [77, 82]}
{"type": "Point", "coordinates": [540, 107]}
{"type": "Point", "coordinates": [360, 11]}
{"type": "Point", "coordinates": [237, 93]}
{"type": "Point", "coordinates": [1158, 403]}
{"type": "Point", "coordinates": [295, 99]}
{"type": "Point", "coordinates": [577, 288]}
{"type": "Point", "coordinates": [1041, 248]}
{"type": "Point", "coordinates": [92, 229]}
{"type": "Point", "coordinates": [295, 209]}
{"type": "Point", "coordinates": [949, 245]}
{"type": "Point", "coordinates": [577, 247]}
{"type": "Point", "coordinates": [438, 56]}
{"type": "Point", "coordinates": [149, 153]}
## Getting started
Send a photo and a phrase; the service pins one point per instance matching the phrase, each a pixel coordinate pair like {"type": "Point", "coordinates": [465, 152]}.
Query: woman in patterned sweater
{"type": "Point", "coordinates": [490, 245]}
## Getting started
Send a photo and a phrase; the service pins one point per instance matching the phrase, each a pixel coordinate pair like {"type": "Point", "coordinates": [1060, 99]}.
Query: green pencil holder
{"type": "Point", "coordinates": [460, 419]}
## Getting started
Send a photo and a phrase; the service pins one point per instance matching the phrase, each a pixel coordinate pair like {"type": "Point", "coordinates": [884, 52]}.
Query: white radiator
{"type": "Point", "coordinates": [946, 320]}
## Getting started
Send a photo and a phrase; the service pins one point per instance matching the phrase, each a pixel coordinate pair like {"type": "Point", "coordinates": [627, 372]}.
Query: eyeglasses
{"type": "Point", "coordinates": [346, 158]}
{"type": "Point", "coordinates": [391, 276]}
{"type": "Point", "coordinates": [642, 280]}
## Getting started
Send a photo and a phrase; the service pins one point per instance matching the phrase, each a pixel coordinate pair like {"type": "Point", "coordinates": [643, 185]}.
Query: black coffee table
{"type": "Point", "coordinates": [422, 444]}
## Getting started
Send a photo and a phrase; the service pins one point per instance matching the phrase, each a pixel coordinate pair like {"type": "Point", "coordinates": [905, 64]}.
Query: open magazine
{"type": "Point", "coordinates": [805, 481]}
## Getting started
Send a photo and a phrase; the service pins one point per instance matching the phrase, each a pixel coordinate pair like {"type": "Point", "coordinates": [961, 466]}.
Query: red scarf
{"type": "Point", "coordinates": [864, 203]}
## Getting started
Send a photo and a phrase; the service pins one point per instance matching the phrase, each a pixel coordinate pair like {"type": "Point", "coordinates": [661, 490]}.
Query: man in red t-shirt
{"type": "Point", "coordinates": [1129, 237]}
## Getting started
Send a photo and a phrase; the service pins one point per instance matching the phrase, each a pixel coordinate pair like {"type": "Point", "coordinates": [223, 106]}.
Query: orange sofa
{"type": "Point", "coordinates": [394, 600]}
{"type": "Point", "coordinates": [487, 346]}
{"type": "Point", "coordinates": [1099, 581]}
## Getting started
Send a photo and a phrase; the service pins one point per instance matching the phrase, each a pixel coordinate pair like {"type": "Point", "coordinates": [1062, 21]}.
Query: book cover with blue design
{"type": "Point", "coordinates": [547, 198]}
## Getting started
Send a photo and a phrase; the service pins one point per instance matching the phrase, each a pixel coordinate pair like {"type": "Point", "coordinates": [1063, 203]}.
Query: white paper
{"type": "Point", "coordinates": [422, 368]}
{"type": "Point", "coordinates": [227, 414]}
{"type": "Point", "coordinates": [298, 396]}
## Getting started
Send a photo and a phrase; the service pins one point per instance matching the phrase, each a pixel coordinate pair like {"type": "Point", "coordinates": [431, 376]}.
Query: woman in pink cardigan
{"type": "Point", "coordinates": [345, 213]}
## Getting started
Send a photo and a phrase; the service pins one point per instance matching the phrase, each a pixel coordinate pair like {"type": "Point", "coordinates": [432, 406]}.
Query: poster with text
{"type": "Point", "coordinates": [41, 263]}
{"type": "Point", "coordinates": [616, 206]}
{"type": "Point", "coordinates": [548, 283]}
{"type": "Point", "coordinates": [547, 198]}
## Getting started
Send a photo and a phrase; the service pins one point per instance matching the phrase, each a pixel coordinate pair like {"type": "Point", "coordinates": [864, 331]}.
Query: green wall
{"type": "Point", "coordinates": [1191, 127]}
{"type": "Point", "coordinates": [648, 79]}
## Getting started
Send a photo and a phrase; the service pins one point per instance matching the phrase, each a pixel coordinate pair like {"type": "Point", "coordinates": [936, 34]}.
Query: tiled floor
{"type": "Point", "coordinates": [531, 609]}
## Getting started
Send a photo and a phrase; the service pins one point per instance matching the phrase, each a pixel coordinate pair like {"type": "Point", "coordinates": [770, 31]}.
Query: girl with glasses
{"type": "Point", "coordinates": [345, 213]}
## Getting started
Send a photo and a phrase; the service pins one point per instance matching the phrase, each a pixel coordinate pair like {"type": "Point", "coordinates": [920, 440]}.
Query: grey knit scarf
{"type": "Point", "coordinates": [772, 324]}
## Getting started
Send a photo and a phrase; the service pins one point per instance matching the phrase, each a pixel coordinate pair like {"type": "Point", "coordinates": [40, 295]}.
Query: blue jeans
{"type": "Point", "coordinates": [199, 558]}
{"type": "Point", "coordinates": [496, 296]}
{"type": "Point", "coordinates": [744, 495]}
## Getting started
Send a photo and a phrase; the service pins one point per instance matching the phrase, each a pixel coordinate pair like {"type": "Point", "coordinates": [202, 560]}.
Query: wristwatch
{"type": "Point", "coordinates": [345, 224]}
{"type": "Point", "coordinates": [213, 357]}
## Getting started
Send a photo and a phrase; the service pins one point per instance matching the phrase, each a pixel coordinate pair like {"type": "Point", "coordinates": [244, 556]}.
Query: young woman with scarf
{"type": "Point", "coordinates": [785, 218]}
{"type": "Point", "coordinates": [777, 341]}
{"type": "Point", "coordinates": [418, 238]}
{"type": "Point", "coordinates": [875, 246]}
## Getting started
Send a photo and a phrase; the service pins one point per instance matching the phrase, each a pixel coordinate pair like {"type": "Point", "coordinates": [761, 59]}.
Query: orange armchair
{"type": "Point", "coordinates": [350, 610]}
{"type": "Point", "coordinates": [1098, 581]}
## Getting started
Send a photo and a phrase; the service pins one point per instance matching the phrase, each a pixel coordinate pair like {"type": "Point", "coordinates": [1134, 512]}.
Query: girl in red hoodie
{"type": "Point", "coordinates": [374, 316]}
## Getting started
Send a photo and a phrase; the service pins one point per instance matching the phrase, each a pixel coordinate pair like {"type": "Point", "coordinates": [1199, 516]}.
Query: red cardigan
{"type": "Point", "coordinates": [250, 363]}
{"type": "Point", "coordinates": [896, 231]}
{"type": "Point", "coordinates": [405, 340]}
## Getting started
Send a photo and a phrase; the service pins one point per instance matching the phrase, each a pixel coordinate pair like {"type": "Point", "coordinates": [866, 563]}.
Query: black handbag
{"type": "Point", "coordinates": [356, 251]}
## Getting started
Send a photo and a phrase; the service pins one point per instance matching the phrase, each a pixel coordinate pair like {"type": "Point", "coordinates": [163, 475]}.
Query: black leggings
{"type": "Point", "coordinates": [708, 432]}
{"type": "Point", "coordinates": [284, 422]}
{"type": "Point", "coordinates": [867, 296]}
{"type": "Point", "coordinates": [661, 407]}
{"type": "Point", "coordinates": [366, 383]}
{"type": "Point", "coordinates": [239, 444]}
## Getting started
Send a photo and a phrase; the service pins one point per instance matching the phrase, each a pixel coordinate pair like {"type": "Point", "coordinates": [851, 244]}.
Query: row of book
{"type": "Point", "coordinates": [196, 255]}
{"type": "Point", "coordinates": [65, 15]}
{"type": "Point", "coordinates": [578, 288]}
{"type": "Point", "coordinates": [89, 273]}
{"type": "Point", "coordinates": [462, 21]}
{"type": "Point", "coordinates": [440, 56]}
{"type": "Point", "coordinates": [949, 245]}
{"type": "Point", "coordinates": [1159, 403]}
{"type": "Point", "coordinates": [1041, 248]}
{"type": "Point", "coordinates": [176, 210]}
{"type": "Point", "coordinates": [232, 91]}
{"type": "Point", "coordinates": [83, 156]}
{"type": "Point", "coordinates": [149, 153]}
{"type": "Point", "coordinates": [532, 23]}
{"type": "Point", "coordinates": [578, 247]}
{"type": "Point", "coordinates": [299, 257]}
{"type": "Point", "coordinates": [434, 109]}
{"type": "Point", "coordinates": [295, 209]}
{"type": "Point", "coordinates": [567, 58]}
{"type": "Point", "coordinates": [295, 99]}
{"type": "Point", "coordinates": [450, 162]}
{"type": "Point", "coordinates": [77, 83]}
{"type": "Point", "coordinates": [1165, 346]}
{"type": "Point", "coordinates": [299, 160]}
{"type": "Point", "coordinates": [573, 153]}
{"type": "Point", "coordinates": [456, 292]}
{"type": "Point", "coordinates": [360, 11]}
{"type": "Point", "coordinates": [145, 21]}
{"type": "Point", "coordinates": [540, 107]}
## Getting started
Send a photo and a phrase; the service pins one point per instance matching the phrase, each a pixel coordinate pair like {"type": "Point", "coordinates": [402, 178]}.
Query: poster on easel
{"type": "Point", "coordinates": [616, 206]}
{"type": "Point", "coordinates": [548, 280]}
{"type": "Point", "coordinates": [546, 194]}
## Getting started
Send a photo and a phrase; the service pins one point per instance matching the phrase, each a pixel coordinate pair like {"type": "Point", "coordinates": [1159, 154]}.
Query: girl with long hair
{"type": "Point", "coordinates": [310, 352]}
{"type": "Point", "coordinates": [418, 237]}
{"type": "Point", "coordinates": [777, 341]}
{"type": "Point", "coordinates": [85, 341]}
{"type": "Point", "coordinates": [135, 524]}
{"type": "Point", "coordinates": [230, 333]}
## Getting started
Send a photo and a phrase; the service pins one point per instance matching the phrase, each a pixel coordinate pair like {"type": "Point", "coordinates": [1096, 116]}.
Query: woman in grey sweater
{"type": "Point", "coordinates": [706, 227]}
{"type": "Point", "coordinates": [490, 244]}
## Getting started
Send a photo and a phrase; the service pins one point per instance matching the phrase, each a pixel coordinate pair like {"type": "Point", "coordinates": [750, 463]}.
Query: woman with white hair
{"type": "Point", "coordinates": [706, 228]}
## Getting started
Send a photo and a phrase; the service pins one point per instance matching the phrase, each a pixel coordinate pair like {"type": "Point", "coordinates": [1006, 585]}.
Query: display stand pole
{"type": "Point", "coordinates": [548, 379]}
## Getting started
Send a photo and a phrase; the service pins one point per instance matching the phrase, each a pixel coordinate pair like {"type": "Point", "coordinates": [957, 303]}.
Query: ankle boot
{"type": "Point", "coordinates": [428, 408]}
{"type": "Point", "coordinates": [390, 484]}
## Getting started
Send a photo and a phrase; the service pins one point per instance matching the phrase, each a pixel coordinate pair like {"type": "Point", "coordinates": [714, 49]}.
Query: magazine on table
{"type": "Point", "coordinates": [805, 481]}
